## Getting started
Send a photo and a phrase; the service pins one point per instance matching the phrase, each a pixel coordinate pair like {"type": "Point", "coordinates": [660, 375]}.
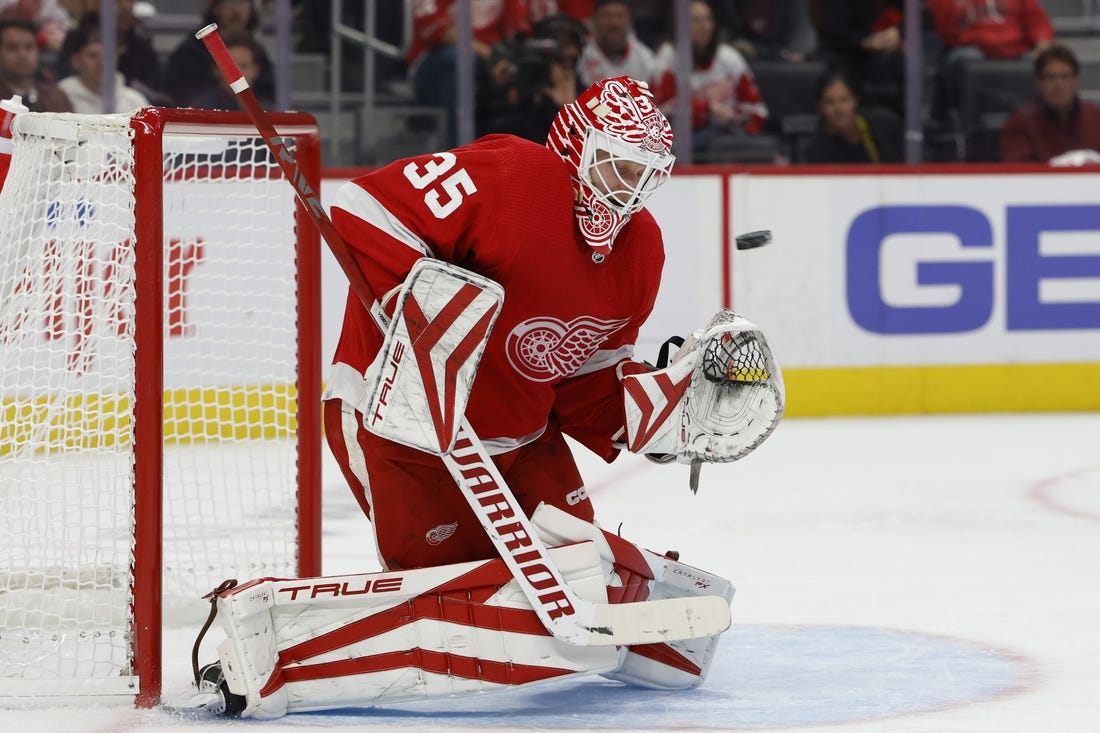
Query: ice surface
{"type": "Point", "coordinates": [895, 574]}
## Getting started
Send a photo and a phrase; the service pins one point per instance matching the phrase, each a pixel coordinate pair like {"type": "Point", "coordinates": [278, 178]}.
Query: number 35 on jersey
{"type": "Point", "coordinates": [446, 189]}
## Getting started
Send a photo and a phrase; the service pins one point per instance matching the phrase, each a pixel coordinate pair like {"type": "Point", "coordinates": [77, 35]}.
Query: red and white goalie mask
{"type": "Point", "coordinates": [618, 146]}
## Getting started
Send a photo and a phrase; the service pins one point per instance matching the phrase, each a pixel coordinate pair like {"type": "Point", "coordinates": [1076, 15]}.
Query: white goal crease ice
{"type": "Point", "coordinates": [159, 386]}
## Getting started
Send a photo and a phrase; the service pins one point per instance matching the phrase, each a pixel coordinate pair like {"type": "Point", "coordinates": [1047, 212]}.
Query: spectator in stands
{"type": "Point", "coordinates": [50, 19]}
{"type": "Point", "coordinates": [724, 98]}
{"type": "Point", "coordinates": [845, 134]}
{"type": "Point", "coordinates": [613, 49]}
{"type": "Point", "coordinates": [991, 29]}
{"type": "Point", "coordinates": [1059, 121]}
{"type": "Point", "coordinates": [546, 79]}
{"type": "Point", "coordinates": [84, 86]}
{"type": "Point", "coordinates": [246, 52]}
{"type": "Point", "coordinates": [971, 30]}
{"type": "Point", "coordinates": [189, 73]}
{"type": "Point", "coordinates": [19, 69]}
{"type": "Point", "coordinates": [863, 37]}
{"type": "Point", "coordinates": [75, 9]}
{"type": "Point", "coordinates": [137, 59]}
{"type": "Point", "coordinates": [433, 58]}
{"type": "Point", "coordinates": [768, 30]}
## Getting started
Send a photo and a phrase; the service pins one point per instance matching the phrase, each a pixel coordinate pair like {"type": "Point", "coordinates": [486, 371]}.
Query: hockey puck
{"type": "Point", "coordinates": [752, 240]}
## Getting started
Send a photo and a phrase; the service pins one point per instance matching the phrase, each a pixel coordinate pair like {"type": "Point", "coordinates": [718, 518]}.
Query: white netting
{"type": "Point", "coordinates": [230, 364]}
{"type": "Point", "coordinates": [67, 386]}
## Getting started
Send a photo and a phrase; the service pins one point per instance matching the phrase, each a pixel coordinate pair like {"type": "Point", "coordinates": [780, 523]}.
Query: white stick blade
{"type": "Point", "coordinates": [652, 622]}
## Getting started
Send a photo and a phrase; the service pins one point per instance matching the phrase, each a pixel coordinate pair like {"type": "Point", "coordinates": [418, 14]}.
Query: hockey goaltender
{"type": "Point", "coordinates": [512, 281]}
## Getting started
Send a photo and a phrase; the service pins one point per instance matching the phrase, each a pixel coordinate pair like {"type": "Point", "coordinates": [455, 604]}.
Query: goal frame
{"type": "Point", "coordinates": [149, 125]}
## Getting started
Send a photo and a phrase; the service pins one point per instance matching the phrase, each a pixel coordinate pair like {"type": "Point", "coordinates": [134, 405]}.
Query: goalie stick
{"type": "Point", "coordinates": [565, 615]}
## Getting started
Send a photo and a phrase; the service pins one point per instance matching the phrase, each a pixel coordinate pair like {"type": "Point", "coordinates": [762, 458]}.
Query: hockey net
{"type": "Point", "coordinates": [159, 357]}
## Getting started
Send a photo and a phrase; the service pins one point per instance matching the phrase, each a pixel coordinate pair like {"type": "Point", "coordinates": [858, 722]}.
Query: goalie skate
{"type": "Point", "coordinates": [212, 694]}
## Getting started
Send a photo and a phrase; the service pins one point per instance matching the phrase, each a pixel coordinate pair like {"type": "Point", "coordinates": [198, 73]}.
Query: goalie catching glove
{"type": "Point", "coordinates": [720, 397]}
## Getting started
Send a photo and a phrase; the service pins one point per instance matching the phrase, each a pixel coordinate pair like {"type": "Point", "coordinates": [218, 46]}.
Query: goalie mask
{"type": "Point", "coordinates": [618, 147]}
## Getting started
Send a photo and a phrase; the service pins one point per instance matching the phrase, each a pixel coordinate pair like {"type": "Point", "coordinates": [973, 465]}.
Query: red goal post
{"type": "Point", "coordinates": [159, 386]}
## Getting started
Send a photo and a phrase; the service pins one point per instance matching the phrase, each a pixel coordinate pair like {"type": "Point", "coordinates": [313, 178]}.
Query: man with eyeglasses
{"type": "Point", "coordinates": [1059, 121]}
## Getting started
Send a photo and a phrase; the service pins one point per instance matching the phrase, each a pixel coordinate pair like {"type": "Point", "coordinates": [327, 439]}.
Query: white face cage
{"type": "Point", "coordinates": [601, 168]}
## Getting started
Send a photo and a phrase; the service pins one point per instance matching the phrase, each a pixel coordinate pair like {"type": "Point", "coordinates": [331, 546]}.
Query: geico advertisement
{"type": "Point", "coordinates": [923, 269]}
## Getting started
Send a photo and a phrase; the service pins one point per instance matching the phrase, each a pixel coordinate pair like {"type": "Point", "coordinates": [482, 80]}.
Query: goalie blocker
{"type": "Point", "coordinates": [380, 638]}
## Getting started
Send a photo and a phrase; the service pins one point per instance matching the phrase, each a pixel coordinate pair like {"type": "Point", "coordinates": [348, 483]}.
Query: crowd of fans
{"type": "Point", "coordinates": [858, 46]}
{"type": "Point", "coordinates": [531, 56]}
{"type": "Point", "coordinates": [51, 54]}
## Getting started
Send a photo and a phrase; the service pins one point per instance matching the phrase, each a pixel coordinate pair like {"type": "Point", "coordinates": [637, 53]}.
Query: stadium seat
{"type": "Point", "coordinates": [744, 149]}
{"type": "Point", "coordinates": [787, 88]}
{"type": "Point", "coordinates": [989, 92]}
{"type": "Point", "coordinates": [1072, 17]}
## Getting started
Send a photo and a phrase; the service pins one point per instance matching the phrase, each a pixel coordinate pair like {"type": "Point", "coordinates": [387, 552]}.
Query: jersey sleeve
{"type": "Point", "coordinates": [590, 409]}
{"type": "Point", "coordinates": [1016, 144]}
{"type": "Point", "coordinates": [430, 205]}
{"type": "Point", "coordinates": [750, 103]}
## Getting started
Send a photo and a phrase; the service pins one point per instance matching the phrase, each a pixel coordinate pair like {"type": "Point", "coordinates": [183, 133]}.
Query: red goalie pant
{"type": "Point", "coordinates": [419, 515]}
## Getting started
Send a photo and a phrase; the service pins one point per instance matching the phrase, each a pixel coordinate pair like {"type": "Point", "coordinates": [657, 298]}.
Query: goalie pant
{"type": "Point", "coordinates": [419, 517]}
{"type": "Point", "coordinates": [373, 639]}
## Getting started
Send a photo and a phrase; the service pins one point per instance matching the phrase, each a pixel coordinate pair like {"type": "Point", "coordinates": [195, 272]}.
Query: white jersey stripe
{"type": "Point", "coordinates": [351, 424]}
{"type": "Point", "coordinates": [604, 358]}
{"type": "Point", "coordinates": [357, 202]}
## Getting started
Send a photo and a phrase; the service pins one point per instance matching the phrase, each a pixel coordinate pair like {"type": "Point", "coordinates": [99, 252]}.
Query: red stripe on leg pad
{"type": "Point", "coordinates": [502, 673]}
{"type": "Point", "coordinates": [439, 608]}
{"type": "Point", "coordinates": [429, 607]}
{"type": "Point", "coordinates": [666, 655]}
{"type": "Point", "coordinates": [628, 555]}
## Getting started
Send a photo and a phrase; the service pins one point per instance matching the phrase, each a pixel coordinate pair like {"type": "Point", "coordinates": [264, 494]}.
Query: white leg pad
{"type": "Point", "coordinates": [362, 640]}
{"type": "Point", "coordinates": [637, 574]}
{"type": "Point", "coordinates": [249, 654]}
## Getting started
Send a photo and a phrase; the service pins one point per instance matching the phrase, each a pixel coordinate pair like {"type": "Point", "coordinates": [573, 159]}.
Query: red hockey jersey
{"type": "Point", "coordinates": [1002, 29]}
{"type": "Point", "coordinates": [503, 207]}
{"type": "Point", "coordinates": [727, 80]}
